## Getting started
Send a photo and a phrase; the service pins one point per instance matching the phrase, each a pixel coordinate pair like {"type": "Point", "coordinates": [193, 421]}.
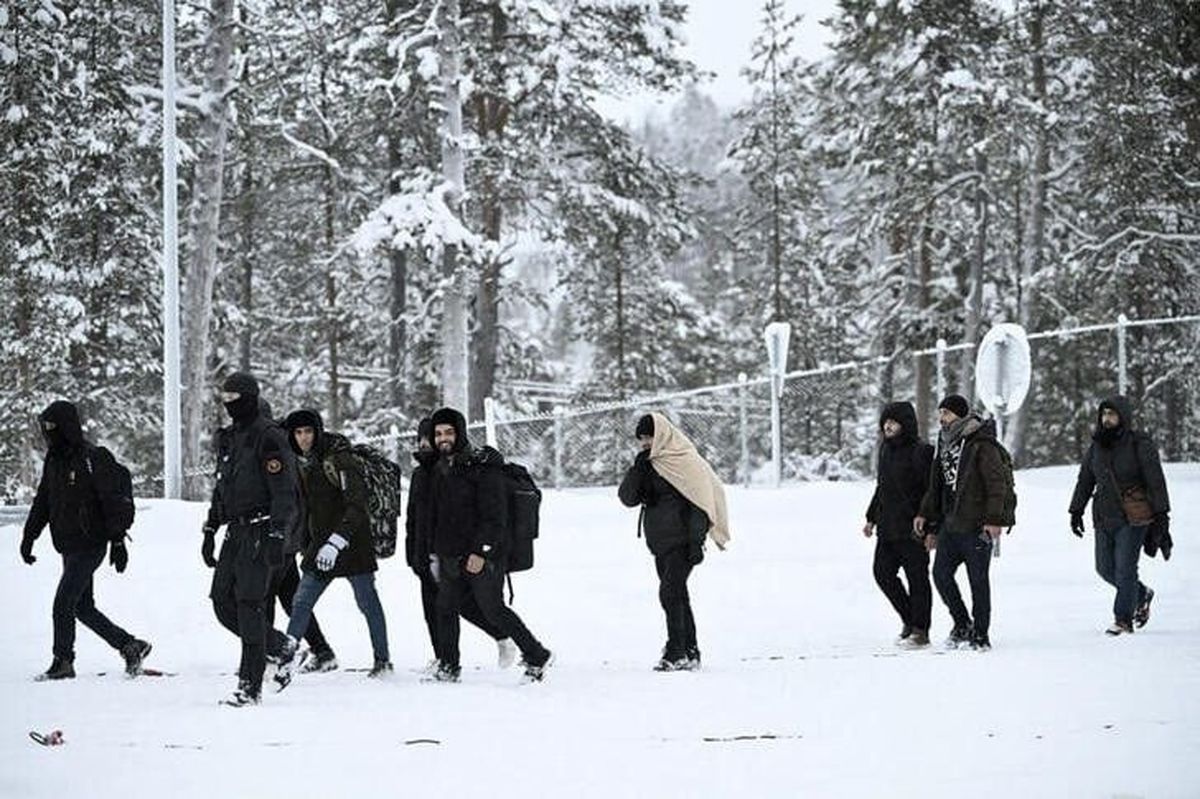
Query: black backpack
{"type": "Point", "coordinates": [114, 486]}
{"type": "Point", "coordinates": [384, 506]}
{"type": "Point", "coordinates": [1009, 511]}
{"type": "Point", "coordinates": [524, 507]}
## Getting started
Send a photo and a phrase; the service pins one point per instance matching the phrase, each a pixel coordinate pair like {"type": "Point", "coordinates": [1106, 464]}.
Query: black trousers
{"type": "Point", "coordinates": [469, 611]}
{"type": "Point", "coordinates": [74, 600]}
{"type": "Point", "coordinates": [953, 550]}
{"type": "Point", "coordinates": [241, 591]}
{"type": "Point", "coordinates": [455, 587]}
{"type": "Point", "coordinates": [287, 580]}
{"type": "Point", "coordinates": [914, 604]}
{"type": "Point", "coordinates": [674, 568]}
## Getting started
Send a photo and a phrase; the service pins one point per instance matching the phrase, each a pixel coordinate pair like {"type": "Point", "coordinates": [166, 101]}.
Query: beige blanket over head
{"type": "Point", "coordinates": [674, 457]}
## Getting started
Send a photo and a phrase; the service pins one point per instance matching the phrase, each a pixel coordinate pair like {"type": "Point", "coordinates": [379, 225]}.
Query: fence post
{"type": "Point", "coordinates": [743, 431]}
{"type": "Point", "coordinates": [558, 446]}
{"type": "Point", "coordinates": [941, 369]}
{"type": "Point", "coordinates": [489, 421]}
{"type": "Point", "coordinates": [1122, 363]}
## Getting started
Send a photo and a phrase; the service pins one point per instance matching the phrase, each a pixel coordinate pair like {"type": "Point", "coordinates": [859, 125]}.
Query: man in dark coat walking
{"type": "Point", "coordinates": [418, 550]}
{"type": "Point", "coordinates": [902, 477]}
{"type": "Point", "coordinates": [675, 530]}
{"type": "Point", "coordinates": [259, 493]}
{"type": "Point", "coordinates": [1123, 478]}
{"type": "Point", "coordinates": [77, 497]}
{"type": "Point", "coordinates": [965, 500]}
{"type": "Point", "coordinates": [469, 520]}
{"type": "Point", "coordinates": [338, 540]}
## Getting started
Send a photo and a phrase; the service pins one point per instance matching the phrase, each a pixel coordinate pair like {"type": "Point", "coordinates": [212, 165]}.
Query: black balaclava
{"type": "Point", "coordinates": [645, 427]}
{"type": "Point", "coordinates": [61, 427]}
{"type": "Point", "coordinates": [245, 407]}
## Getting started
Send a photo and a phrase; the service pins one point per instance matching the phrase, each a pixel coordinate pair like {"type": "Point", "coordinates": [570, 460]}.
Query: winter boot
{"type": "Point", "coordinates": [134, 653]}
{"type": "Point", "coordinates": [313, 662]}
{"type": "Point", "coordinates": [444, 673]}
{"type": "Point", "coordinates": [506, 653]}
{"type": "Point", "coordinates": [693, 656]}
{"type": "Point", "coordinates": [382, 668]}
{"type": "Point", "coordinates": [905, 632]}
{"type": "Point", "coordinates": [917, 639]}
{"type": "Point", "coordinates": [287, 664]}
{"type": "Point", "coordinates": [958, 637]}
{"type": "Point", "coordinates": [672, 663]}
{"type": "Point", "coordinates": [1119, 627]}
{"type": "Point", "coordinates": [536, 673]}
{"type": "Point", "coordinates": [980, 642]}
{"type": "Point", "coordinates": [243, 695]}
{"type": "Point", "coordinates": [60, 669]}
{"type": "Point", "coordinates": [1142, 614]}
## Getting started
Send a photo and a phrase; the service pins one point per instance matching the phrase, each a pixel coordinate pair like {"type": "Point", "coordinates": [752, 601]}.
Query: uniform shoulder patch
{"type": "Point", "coordinates": [274, 465]}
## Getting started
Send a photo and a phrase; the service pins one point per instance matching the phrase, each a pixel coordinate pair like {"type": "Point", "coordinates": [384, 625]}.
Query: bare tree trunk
{"type": "Point", "coordinates": [492, 110]}
{"type": "Point", "coordinates": [455, 356]}
{"type": "Point", "coordinates": [974, 315]}
{"type": "Point", "coordinates": [397, 329]}
{"type": "Point", "coordinates": [332, 329]}
{"type": "Point", "coordinates": [922, 369]}
{"type": "Point", "coordinates": [204, 224]}
{"type": "Point", "coordinates": [1031, 261]}
{"type": "Point", "coordinates": [618, 276]}
{"type": "Point", "coordinates": [246, 299]}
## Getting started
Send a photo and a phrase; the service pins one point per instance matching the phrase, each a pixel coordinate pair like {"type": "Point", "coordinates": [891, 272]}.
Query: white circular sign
{"type": "Point", "coordinates": [1003, 369]}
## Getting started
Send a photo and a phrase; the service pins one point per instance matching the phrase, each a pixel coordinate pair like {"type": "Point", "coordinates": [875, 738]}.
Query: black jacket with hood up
{"type": "Point", "coordinates": [902, 475]}
{"type": "Point", "coordinates": [76, 486]}
{"type": "Point", "coordinates": [1124, 457]}
{"type": "Point", "coordinates": [468, 509]}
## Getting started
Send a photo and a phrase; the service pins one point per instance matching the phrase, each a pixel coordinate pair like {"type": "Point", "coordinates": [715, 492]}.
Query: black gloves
{"type": "Point", "coordinates": [118, 556]}
{"type": "Point", "coordinates": [1077, 524]}
{"type": "Point", "coordinates": [696, 551]}
{"type": "Point", "coordinates": [27, 551]}
{"type": "Point", "coordinates": [210, 544]}
{"type": "Point", "coordinates": [1158, 537]}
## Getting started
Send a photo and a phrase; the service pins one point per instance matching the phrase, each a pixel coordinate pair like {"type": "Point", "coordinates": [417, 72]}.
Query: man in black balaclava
{"type": "Point", "coordinates": [77, 497]}
{"type": "Point", "coordinates": [1122, 476]}
{"type": "Point", "coordinates": [257, 494]}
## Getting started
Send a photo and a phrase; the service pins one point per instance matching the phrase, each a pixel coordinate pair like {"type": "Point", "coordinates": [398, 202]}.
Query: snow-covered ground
{"type": "Point", "coordinates": [797, 644]}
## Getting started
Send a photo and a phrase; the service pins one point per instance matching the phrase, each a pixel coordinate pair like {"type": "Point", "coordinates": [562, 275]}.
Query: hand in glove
{"type": "Point", "coordinates": [329, 551]}
{"type": "Point", "coordinates": [27, 551]}
{"type": "Point", "coordinates": [207, 548]}
{"type": "Point", "coordinates": [118, 556]}
{"type": "Point", "coordinates": [1158, 537]}
{"type": "Point", "coordinates": [1077, 524]}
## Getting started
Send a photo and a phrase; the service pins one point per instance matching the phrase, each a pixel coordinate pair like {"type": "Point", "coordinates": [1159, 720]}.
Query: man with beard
{"type": "Point", "coordinates": [260, 502]}
{"type": "Point", "coordinates": [418, 550]}
{"type": "Point", "coordinates": [902, 477]}
{"type": "Point", "coordinates": [966, 500]}
{"type": "Point", "coordinates": [1123, 477]}
{"type": "Point", "coordinates": [469, 519]}
{"type": "Point", "coordinates": [77, 497]}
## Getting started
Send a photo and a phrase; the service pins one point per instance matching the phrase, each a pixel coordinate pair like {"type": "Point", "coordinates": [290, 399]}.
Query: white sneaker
{"type": "Point", "coordinates": [506, 653]}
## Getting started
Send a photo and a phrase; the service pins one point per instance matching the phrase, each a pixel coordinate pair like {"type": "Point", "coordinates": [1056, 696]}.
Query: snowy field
{"type": "Point", "coordinates": [797, 644]}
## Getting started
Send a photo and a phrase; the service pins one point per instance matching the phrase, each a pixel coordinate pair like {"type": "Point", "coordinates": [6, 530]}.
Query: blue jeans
{"type": "Point", "coordinates": [310, 590]}
{"type": "Point", "coordinates": [1117, 553]}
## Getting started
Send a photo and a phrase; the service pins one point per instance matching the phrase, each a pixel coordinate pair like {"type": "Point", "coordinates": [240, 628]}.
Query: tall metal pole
{"type": "Point", "coordinates": [172, 444]}
{"type": "Point", "coordinates": [1122, 357]}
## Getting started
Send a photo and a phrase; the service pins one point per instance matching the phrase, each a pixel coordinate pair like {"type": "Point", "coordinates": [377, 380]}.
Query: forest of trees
{"type": "Point", "coordinates": [388, 204]}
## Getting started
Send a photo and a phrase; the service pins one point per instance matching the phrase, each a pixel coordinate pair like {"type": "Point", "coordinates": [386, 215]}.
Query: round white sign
{"type": "Point", "coordinates": [1003, 369]}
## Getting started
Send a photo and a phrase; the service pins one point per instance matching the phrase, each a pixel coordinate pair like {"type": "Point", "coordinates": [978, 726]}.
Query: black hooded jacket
{"type": "Point", "coordinates": [1124, 457]}
{"type": "Point", "coordinates": [76, 486]}
{"type": "Point", "coordinates": [335, 497]}
{"type": "Point", "coordinates": [902, 475]}
{"type": "Point", "coordinates": [468, 510]}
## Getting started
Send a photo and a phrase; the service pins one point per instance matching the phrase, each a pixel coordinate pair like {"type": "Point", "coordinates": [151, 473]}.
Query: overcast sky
{"type": "Point", "coordinates": [719, 33]}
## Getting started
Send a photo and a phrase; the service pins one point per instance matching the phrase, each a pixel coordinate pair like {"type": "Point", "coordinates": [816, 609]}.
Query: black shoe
{"type": "Point", "coordinates": [243, 695]}
{"type": "Point", "coordinates": [312, 662]}
{"type": "Point", "coordinates": [287, 664]}
{"type": "Point", "coordinates": [60, 669]}
{"type": "Point", "coordinates": [134, 653]}
{"type": "Point", "coordinates": [905, 632]}
{"type": "Point", "coordinates": [1119, 627]}
{"type": "Point", "coordinates": [1142, 614]}
{"type": "Point", "coordinates": [980, 642]}
{"type": "Point", "coordinates": [958, 637]}
{"type": "Point", "coordinates": [444, 673]}
{"type": "Point", "coordinates": [672, 663]}
{"type": "Point", "coordinates": [693, 656]}
{"type": "Point", "coordinates": [381, 668]}
{"type": "Point", "coordinates": [536, 673]}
